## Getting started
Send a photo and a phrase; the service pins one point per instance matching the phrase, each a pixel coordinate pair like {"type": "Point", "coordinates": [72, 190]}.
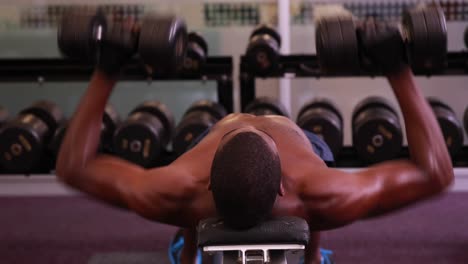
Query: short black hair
{"type": "Point", "coordinates": [245, 179]}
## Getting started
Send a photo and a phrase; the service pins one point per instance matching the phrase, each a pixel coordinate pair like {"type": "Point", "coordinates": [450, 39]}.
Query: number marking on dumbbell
{"type": "Point", "coordinates": [146, 148]}
{"type": "Point", "coordinates": [124, 144]}
{"type": "Point", "coordinates": [370, 149]}
{"type": "Point", "coordinates": [317, 129]}
{"type": "Point", "coordinates": [385, 132]}
{"type": "Point", "coordinates": [188, 137]}
{"type": "Point", "coordinates": [25, 143]}
{"type": "Point", "coordinates": [16, 149]}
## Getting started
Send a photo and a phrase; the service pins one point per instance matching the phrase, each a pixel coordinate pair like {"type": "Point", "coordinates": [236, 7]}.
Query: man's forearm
{"type": "Point", "coordinates": [425, 140]}
{"type": "Point", "coordinates": [83, 134]}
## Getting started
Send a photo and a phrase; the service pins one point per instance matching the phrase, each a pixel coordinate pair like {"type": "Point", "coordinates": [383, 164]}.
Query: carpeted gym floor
{"type": "Point", "coordinates": [80, 230]}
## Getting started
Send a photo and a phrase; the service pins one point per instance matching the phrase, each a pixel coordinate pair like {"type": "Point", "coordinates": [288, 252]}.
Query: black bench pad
{"type": "Point", "coordinates": [279, 230]}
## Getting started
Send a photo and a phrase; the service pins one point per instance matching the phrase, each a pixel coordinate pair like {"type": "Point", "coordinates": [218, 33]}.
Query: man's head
{"type": "Point", "coordinates": [245, 177]}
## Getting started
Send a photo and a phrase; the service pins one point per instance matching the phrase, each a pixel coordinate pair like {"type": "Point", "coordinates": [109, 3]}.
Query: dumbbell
{"type": "Point", "coordinates": [425, 32]}
{"type": "Point", "coordinates": [110, 120]}
{"type": "Point", "coordinates": [200, 116]}
{"type": "Point", "coordinates": [321, 116]}
{"type": "Point", "coordinates": [144, 135]}
{"type": "Point", "coordinates": [197, 52]}
{"type": "Point", "coordinates": [3, 116]}
{"type": "Point", "coordinates": [161, 41]}
{"type": "Point", "coordinates": [376, 127]}
{"type": "Point", "coordinates": [24, 140]}
{"type": "Point", "coordinates": [451, 127]}
{"type": "Point", "coordinates": [266, 106]}
{"type": "Point", "coordinates": [263, 50]}
{"type": "Point", "coordinates": [338, 49]}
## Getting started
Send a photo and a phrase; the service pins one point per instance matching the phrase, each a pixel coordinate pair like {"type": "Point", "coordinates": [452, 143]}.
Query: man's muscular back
{"type": "Point", "coordinates": [293, 149]}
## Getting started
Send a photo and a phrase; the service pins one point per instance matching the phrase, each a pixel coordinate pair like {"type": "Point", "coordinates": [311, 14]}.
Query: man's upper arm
{"type": "Point", "coordinates": [151, 193]}
{"type": "Point", "coordinates": [334, 198]}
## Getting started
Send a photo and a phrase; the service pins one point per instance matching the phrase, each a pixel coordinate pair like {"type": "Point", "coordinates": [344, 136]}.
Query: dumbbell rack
{"type": "Point", "coordinates": [218, 69]}
{"type": "Point", "coordinates": [306, 66]}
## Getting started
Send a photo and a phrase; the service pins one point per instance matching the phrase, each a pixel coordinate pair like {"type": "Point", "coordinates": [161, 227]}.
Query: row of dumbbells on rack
{"type": "Point", "coordinates": [376, 127]}
{"type": "Point", "coordinates": [30, 141]}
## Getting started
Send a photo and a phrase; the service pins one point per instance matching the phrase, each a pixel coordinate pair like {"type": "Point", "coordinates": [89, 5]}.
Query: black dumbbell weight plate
{"type": "Point", "coordinates": [78, 32]}
{"type": "Point", "coordinates": [162, 112]}
{"type": "Point", "coordinates": [192, 126]}
{"type": "Point", "coordinates": [323, 119]}
{"type": "Point", "coordinates": [437, 36]}
{"type": "Point", "coordinates": [163, 42]}
{"type": "Point", "coordinates": [263, 54]}
{"type": "Point", "coordinates": [21, 144]}
{"type": "Point", "coordinates": [266, 106]}
{"type": "Point", "coordinates": [197, 52]}
{"type": "Point", "coordinates": [377, 134]}
{"type": "Point", "coordinates": [48, 112]}
{"type": "Point", "coordinates": [336, 45]}
{"type": "Point", "coordinates": [414, 26]}
{"type": "Point", "coordinates": [199, 40]}
{"type": "Point", "coordinates": [350, 51]}
{"type": "Point", "coordinates": [24, 140]}
{"type": "Point", "coordinates": [216, 110]}
{"type": "Point", "coordinates": [268, 30]}
{"type": "Point", "coordinates": [200, 116]}
{"type": "Point", "coordinates": [451, 127]}
{"type": "Point", "coordinates": [427, 38]}
{"type": "Point", "coordinates": [138, 139]}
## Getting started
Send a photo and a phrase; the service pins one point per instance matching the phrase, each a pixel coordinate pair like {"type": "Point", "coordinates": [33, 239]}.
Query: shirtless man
{"type": "Point", "coordinates": [264, 165]}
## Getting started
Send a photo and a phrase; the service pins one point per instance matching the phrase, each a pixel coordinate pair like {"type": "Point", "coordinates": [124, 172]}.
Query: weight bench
{"type": "Point", "coordinates": [265, 243]}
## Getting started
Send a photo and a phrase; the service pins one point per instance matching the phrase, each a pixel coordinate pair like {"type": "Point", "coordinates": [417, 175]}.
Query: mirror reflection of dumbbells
{"type": "Point", "coordinates": [376, 127]}
{"type": "Point", "coordinates": [263, 50]}
{"type": "Point", "coordinates": [110, 120]}
{"type": "Point", "coordinates": [338, 50]}
{"type": "Point", "coordinates": [322, 117]}
{"type": "Point", "coordinates": [161, 40]}
{"type": "Point", "coordinates": [145, 134]}
{"type": "Point", "coordinates": [266, 106]}
{"type": "Point", "coordinates": [451, 127]}
{"type": "Point", "coordinates": [198, 118]}
{"type": "Point", "coordinates": [25, 138]}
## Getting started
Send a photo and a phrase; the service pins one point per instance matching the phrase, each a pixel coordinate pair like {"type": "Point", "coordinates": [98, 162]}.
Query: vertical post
{"type": "Point", "coordinates": [284, 28]}
{"type": "Point", "coordinates": [225, 90]}
{"type": "Point", "coordinates": [247, 85]}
